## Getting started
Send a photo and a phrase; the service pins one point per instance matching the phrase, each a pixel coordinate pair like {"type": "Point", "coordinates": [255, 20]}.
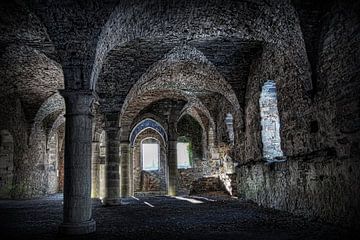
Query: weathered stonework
{"type": "Point", "coordinates": [169, 60]}
{"type": "Point", "coordinates": [312, 181]}
{"type": "Point", "coordinates": [7, 163]}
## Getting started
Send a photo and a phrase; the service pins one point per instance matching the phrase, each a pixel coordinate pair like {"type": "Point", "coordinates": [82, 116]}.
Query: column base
{"type": "Point", "coordinates": [111, 201]}
{"type": "Point", "coordinates": [126, 200]}
{"type": "Point", "coordinates": [77, 228]}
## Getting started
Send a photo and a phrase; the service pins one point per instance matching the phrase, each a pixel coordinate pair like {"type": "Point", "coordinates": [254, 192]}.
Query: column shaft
{"type": "Point", "coordinates": [172, 164]}
{"type": "Point", "coordinates": [77, 163]}
{"type": "Point", "coordinates": [112, 175]}
{"type": "Point", "coordinates": [131, 182]}
{"type": "Point", "coordinates": [125, 169]}
{"type": "Point", "coordinates": [95, 171]}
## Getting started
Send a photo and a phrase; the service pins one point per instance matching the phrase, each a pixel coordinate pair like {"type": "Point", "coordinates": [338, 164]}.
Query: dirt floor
{"type": "Point", "coordinates": [163, 217]}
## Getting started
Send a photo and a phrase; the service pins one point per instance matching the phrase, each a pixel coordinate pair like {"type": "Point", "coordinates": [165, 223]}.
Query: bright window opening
{"type": "Point", "coordinates": [270, 122]}
{"type": "Point", "coordinates": [183, 155]}
{"type": "Point", "coordinates": [102, 146]}
{"type": "Point", "coordinates": [150, 156]}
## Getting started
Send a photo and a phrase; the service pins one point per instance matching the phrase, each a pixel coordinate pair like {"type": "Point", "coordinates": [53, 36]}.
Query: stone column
{"type": "Point", "coordinates": [131, 178]}
{"type": "Point", "coordinates": [125, 168]}
{"type": "Point", "coordinates": [172, 167]}
{"type": "Point", "coordinates": [95, 170]}
{"type": "Point", "coordinates": [77, 163]}
{"type": "Point", "coordinates": [112, 170]}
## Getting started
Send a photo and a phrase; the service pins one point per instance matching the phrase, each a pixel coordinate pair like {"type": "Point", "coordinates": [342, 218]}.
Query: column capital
{"type": "Point", "coordinates": [78, 102]}
{"type": "Point", "coordinates": [124, 142]}
{"type": "Point", "coordinates": [111, 128]}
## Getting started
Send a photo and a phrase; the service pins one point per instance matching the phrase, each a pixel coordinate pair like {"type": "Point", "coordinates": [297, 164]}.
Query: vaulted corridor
{"type": "Point", "coordinates": [115, 115]}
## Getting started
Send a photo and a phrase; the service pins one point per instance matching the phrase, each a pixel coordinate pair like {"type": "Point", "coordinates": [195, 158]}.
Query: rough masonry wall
{"type": "Point", "coordinates": [6, 162]}
{"type": "Point", "coordinates": [320, 178]}
{"type": "Point", "coordinates": [52, 164]}
{"type": "Point", "coordinates": [32, 174]}
{"type": "Point", "coordinates": [188, 127]}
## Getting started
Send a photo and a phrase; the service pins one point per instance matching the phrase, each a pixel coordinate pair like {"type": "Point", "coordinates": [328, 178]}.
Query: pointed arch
{"type": "Point", "coordinates": [145, 124]}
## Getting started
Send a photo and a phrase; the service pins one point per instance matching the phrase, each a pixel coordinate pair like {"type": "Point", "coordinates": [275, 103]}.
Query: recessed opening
{"type": "Point", "coordinates": [270, 121]}
{"type": "Point", "coordinates": [150, 152]}
{"type": "Point", "coordinates": [183, 155]}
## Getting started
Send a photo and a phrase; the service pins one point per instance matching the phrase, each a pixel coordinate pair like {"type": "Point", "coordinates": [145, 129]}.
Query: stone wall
{"type": "Point", "coordinates": [32, 174]}
{"type": "Point", "coordinates": [52, 163]}
{"type": "Point", "coordinates": [6, 163]}
{"type": "Point", "coordinates": [320, 133]}
{"type": "Point", "coordinates": [321, 186]}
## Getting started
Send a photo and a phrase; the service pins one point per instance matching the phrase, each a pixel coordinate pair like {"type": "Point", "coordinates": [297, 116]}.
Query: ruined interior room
{"type": "Point", "coordinates": [187, 119]}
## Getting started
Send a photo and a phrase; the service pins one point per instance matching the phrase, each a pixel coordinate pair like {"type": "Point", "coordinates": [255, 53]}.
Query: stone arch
{"type": "Point", "coordinates": [122, 27]}
{"type": "Point", "coordinates": [185, 67]}
{"type": "Point", "coordinates": [187, 133]}
{"type": "Point", "coordinates": [55, 104]}
{"type": "Point", "coordinates": [59, 122]}
{"type": "Point", "coordinates": [6, 163]}
{"type": "Point", "coordinates": [145, 124]}
{"type": "Point", "coordinates": [135, 105]}
{"type": "Point", "coordinates": [200, 112]}
{"type": "Point", "coordinates": [31, 76]}
{"type": "Point", "coordinates": [182, 68]}
{"type": "Point", "coordinates": [144, 180]}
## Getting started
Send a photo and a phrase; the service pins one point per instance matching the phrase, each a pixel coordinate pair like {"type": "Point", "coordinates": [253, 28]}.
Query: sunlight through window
{"type": "Point", "coordinates": [150, 156]}
{"type": "Point", "coordinates": [270, 122]}
{"type": "Point", "coordinates": [183, 155]}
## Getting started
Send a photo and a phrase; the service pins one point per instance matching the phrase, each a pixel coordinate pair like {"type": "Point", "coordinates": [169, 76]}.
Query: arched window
{"type": "Point", "coordinates": [270, 122]}
{"type": "Point", "coordinates": [146, 124]}
{"type": "Point", "coordinates": [183, 148]}
{"type": "Point", "coordinates": [150, 154]}
{"type": "Point", "coordinates": [6, 162]}
{"type": "Point", "coordinates": [229, 121]}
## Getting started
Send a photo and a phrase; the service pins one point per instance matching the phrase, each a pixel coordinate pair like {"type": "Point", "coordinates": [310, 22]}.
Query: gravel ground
{"type": "Point", "coordinates": [212, 217]}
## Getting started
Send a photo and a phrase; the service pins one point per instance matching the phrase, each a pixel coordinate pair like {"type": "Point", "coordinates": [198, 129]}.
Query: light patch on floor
{"type": "Point", "coordinates": [149, 204]}
{"type": "Point", "coordinates": [194, 201]}
{"type": "Point", "coordinates": [204, 198]}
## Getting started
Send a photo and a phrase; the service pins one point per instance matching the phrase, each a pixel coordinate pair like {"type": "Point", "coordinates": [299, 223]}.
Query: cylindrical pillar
{"type": "Point", "coordinates": [131, 178]}
{"type": "Point", "coordinates": [112, 164]}
{"type": "Point", "coordinates": [125, 168]}
{"type": "Point", "coordinates": [77, 163]}
{"type": "Point", "coordinates": [172, 167]}
{"type": "Point", "coordinates": [95, 170]}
